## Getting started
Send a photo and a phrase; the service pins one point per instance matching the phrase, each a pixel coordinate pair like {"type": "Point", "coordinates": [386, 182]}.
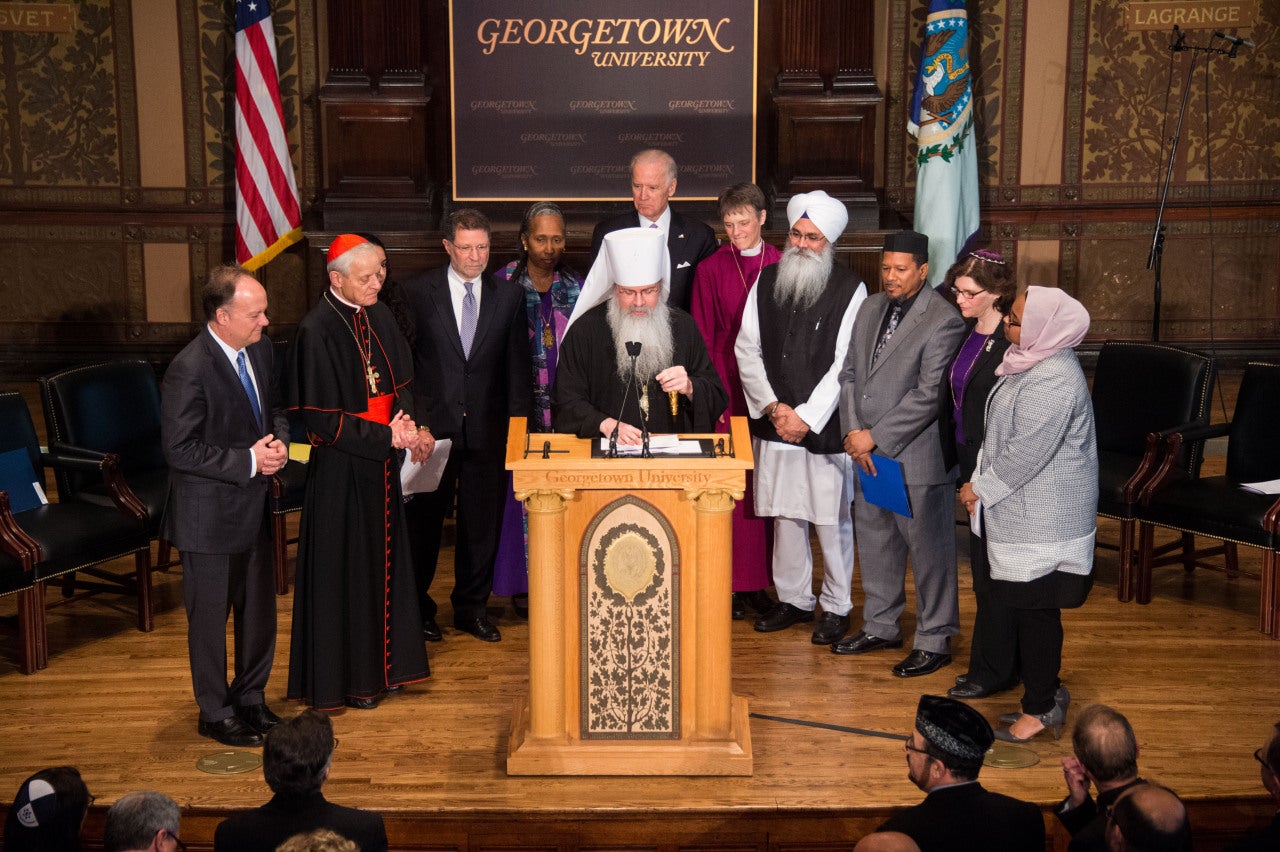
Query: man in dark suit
{"type": "Point", "coordinates": [689, 241]}
{"type": "Point", "coordinates": [472, 374]}
{"type": "Point", "coordinates": [903, 340]}
{"type": "Point", "coordinates": [944, 757]}
{"type": "Point", "coordinates": [295, 763]}
{"type": "Point", "coordinates": [224, 435]}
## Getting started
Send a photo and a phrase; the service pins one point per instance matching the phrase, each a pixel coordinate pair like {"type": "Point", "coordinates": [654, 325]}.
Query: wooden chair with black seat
{"type": "Point", "coordinates": [1141, 391]}
{"type": "Point", "coordinates": [43, 541]}
{"type": "Point", "coordinates": [111, 407]}
{"type": "Point", "coordinates": [1218, 506]}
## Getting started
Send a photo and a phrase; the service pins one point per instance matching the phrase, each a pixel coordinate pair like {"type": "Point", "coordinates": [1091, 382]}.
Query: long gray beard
{"type": "Point", "coordinates": [802, 276]}
{"type": "Point", "coordinates": [652, 332]}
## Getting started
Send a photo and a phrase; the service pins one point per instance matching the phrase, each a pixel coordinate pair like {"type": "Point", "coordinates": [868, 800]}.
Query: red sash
{"type": "Point", "coordinates": [379, 409]}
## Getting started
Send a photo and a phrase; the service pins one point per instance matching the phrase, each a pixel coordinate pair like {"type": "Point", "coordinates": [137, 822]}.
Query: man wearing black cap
{"type": "Point", "coordinates": [903, 340]}
{"type": "Point", "coordinates": [944, 756]}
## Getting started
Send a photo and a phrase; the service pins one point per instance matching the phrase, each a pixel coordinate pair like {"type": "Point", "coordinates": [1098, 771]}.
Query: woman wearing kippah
{"type": "Point", "coordinates": [1034, 496]}
{"type": "Point", "coordinates": [48, 812]}
{"type": "Point", "coordinates": [984, 288]}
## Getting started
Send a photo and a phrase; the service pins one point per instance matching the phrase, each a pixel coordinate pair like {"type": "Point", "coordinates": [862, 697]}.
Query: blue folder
{"type": "Point", "coordinates": [886, 489]}
{"type": "Point", "coordinates": [18, 477]}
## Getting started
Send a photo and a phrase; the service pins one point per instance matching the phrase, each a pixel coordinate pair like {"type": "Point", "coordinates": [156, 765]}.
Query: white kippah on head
{"type": "Point", "coordinates": [41, 802]}
{"type": "Point", "coordinates": [631, 257]}
{"type": "Point", "coordinates": [635, 256]}
{"type": "Point", "coordinates": [830, 215]}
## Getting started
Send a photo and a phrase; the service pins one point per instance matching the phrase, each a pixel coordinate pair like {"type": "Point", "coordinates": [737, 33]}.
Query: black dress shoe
{"type": "Point", "coordinates": [921, 663]}
{"type": "Point", "coordinates": [480, 627]}
{"type": "Point", "coordinates": [361, 703]}
{"type": "Point", "coordinates": [520, 604]}
{"type": "Point", "coordinates": [259, 717]}
{"type": "Point", "coordinates": [830, 627]}
{"type": "Point", "coordinates": [862, 643]}
{"type": "Point", "coordinates": [230, 732]}
{"type": "Point", "coordinates": [392, 690]}
{"type": "Point", "coordinates": [738, 608]}
{"type": "Point", "coordinates": [973, 689]}
{"type": "Point", "coordinates": [962, 678]}
{"type": "Point", "coordinates": [782, 616]}
{"type": "Point", "coordinates": [759, 601]}
{"type": "Point", "coordinates": [431, 630]}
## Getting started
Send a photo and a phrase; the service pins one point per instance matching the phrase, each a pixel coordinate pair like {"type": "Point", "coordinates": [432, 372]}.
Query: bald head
{"type": "Point", "coordinates": [1104, 742]}
{"type": "Point", "coordinates": [1148, 818]}
{"type": "Point", "coordinates": [886, 841]}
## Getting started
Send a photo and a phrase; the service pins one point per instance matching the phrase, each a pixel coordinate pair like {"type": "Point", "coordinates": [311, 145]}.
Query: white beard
{"type": "Point", "coordinates": [652, 332]}
{"type": "Point", "coordinates": [802, 276]}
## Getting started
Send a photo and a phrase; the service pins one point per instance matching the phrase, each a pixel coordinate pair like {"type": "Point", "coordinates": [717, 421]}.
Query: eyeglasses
{"type": "Point", "coordinates": [177, 841]}
{"type": "Point", "coordinates": [801, 237]}
{"type": "Point", "coordinates": [1012, 321]}
{"type": "Point", "coordinates": [906, 744]}
{"type": "Point", "coordinates": [1257, 755]}
{"type": "Point", "coordinates": [92, 799]}
{"type": "Point", "coordinates": [966, 294]}
{"type": "Point", "coordinates": [646, 293]}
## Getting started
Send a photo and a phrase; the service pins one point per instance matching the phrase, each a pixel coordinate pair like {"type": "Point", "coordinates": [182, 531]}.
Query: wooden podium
{"type": "Point", "coordinates": [629, 597]}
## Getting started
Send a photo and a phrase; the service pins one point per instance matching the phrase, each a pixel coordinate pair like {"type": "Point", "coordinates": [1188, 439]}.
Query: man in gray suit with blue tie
{"type": "Point", "coordinates": [224, 435]}
{"type": "Point", "coordinates": [903, 340]}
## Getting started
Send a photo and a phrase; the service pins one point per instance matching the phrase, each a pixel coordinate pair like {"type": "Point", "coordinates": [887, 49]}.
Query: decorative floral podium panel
{"type": "Point", "coordinates": [629, 569]}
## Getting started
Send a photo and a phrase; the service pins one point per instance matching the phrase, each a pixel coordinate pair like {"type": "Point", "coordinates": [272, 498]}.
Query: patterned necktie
{"type": "Point", "coordinates": [894, 316]}
{"type": "Point", "coordinates": [468, 318]}
{"type": "Point", "coordinates": [248, 387]}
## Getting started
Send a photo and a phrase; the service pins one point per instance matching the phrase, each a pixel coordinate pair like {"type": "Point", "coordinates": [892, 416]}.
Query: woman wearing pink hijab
{"type": "Point", "coordinates": [1034, 498]}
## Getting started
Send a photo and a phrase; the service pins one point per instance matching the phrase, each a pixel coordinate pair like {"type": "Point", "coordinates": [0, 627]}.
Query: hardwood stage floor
{"type": "Point", "coordinates": [1191, 671]}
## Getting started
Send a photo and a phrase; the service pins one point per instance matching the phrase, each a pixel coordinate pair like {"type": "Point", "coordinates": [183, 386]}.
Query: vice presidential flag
{"type": "Point", "coordinates": [268, 218]}
{"type": "Point", "coordinates": [942, 122]}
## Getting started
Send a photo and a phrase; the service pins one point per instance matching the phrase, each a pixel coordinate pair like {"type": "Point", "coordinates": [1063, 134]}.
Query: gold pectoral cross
{"type": "Point", "coordinates": [373, 377]}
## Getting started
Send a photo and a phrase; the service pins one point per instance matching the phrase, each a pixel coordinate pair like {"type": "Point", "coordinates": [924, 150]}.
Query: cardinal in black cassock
{"type": "Point", "coordinates": [356, 628]}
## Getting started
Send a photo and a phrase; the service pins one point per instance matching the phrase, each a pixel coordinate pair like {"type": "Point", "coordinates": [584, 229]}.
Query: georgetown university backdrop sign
{"type": "Point", "coordinates": [550, 98]}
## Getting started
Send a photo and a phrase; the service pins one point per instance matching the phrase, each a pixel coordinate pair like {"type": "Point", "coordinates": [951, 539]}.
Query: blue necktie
{"type": "Point", "coordinates": [468, 318]}
{"type": "Point", "coordinates": [248, 387]}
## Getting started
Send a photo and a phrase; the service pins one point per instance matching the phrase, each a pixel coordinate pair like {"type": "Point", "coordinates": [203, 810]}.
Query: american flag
{"type": "Point", "coordinates": [268, 218]}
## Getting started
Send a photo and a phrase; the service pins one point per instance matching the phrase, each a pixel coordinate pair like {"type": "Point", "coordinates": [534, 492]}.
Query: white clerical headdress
{"type": "Point", "coordinates": [631, 257]}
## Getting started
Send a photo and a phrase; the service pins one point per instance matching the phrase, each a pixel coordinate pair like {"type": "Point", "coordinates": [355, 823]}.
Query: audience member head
{"type": "Point", "coordinates": [319, 840]}
{"type": "Point", "coordinates": [142, 822]}
{"type": "Point", "coordinates": [296, 755]}
{"type": "Point", "coordinates": [904, 265]}
{"type": "Point", "coordinates": [542, 236]}
{"type": "Point", "coordinates": [816, 221]}
{"type": "Point", "coordinates": [742, 211]}
{"type": "Point", "coordinates": [47, 812]}
{"type": "Point", "coordinates": [948, 744]}
{"type": "Point", "coordinates": [466, 241]}
{"type": "Point", "coordinates": [886, 841]}
{"type": "Point", "coordinates": [1269, 757]}
{"type": "Point", "coordinates": [381, 251]}
{"type": "Point", "coordinates": [1103, 740]}
{"type": "Point", "coordinates": [235, 305]}
{"type": "Point", "coordinates": [355, 268]}
{"type": "Point", "coordinates": [1148, 818]}
{"type": "Point", "coordinates": [653, 182]}
{"type": "Point", "coordinates": [989, 276]}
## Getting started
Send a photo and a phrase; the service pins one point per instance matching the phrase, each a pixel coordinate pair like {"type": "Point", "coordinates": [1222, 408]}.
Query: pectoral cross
{"type": "Point", "coordinates": [373, 377]}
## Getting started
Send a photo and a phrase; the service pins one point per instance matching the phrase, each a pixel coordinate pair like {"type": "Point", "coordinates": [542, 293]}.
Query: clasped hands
{"type": "Point", "coordinates": [405, 435]}
{"type": "Point", "coordinates": [787, 423]}
{"type": "Point", "coordinates": [858, 443]}
{"type": "Point", "coordinates": [270, 454]}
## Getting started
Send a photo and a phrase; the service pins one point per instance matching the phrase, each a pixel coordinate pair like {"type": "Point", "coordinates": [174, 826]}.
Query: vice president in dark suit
{"type": "Point", "coordinates": [689, 240]}
{"type": "Point", "coordinates": [472, 374]}
{"type": "Point", "coordinates": [224, 435]}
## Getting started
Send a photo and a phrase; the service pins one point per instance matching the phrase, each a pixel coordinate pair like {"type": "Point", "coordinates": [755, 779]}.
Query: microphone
{"type": "Point", "coordinates": [1236, 41]}
{"type": "Point", "coordinates": [633, 350]}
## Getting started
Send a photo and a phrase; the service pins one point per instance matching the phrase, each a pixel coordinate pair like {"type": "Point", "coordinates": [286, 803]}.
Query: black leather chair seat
{"type": "Point", "coordinates": [1213, 506]}
{"type": "Point", "coordinates": [78, 535]}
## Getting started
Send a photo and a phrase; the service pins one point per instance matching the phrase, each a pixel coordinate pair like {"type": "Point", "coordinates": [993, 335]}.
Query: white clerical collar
{"type": "Point", "coordinates": [752, 252]}
{"type": "Point", "coordinates": [344, 301]}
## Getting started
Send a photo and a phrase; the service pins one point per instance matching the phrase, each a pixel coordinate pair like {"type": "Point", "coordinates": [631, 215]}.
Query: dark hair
{"type": "Point", "coordinates": [296, 753]}
{"type": "Point", "coordinates": [1103, 740]}
{"type": "Point", "coordinates": [1272, 752]}
{"type": "Point", "coordinates": [58, 831]}
{"type": "Point", "coordinates": [741, 195]}
{"type": "Point", "coordinates": [220, 288]}
{"type": "Point", "coordinates": [132, 822]}
{"type": "Point", "coordinates": [538, 208]}
{"type": "Point", "coordinates": [965, 770]}
{"type": "Point", "coordinates": [466, 219]}
{"type": "Point", "coordinates": [1151, 826]}
{"type": "Point", "coordinates": [991, 272]}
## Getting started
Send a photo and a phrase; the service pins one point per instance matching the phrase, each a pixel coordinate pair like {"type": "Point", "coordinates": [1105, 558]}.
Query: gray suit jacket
{"type": "Point", "coordinates": [897, 398]}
